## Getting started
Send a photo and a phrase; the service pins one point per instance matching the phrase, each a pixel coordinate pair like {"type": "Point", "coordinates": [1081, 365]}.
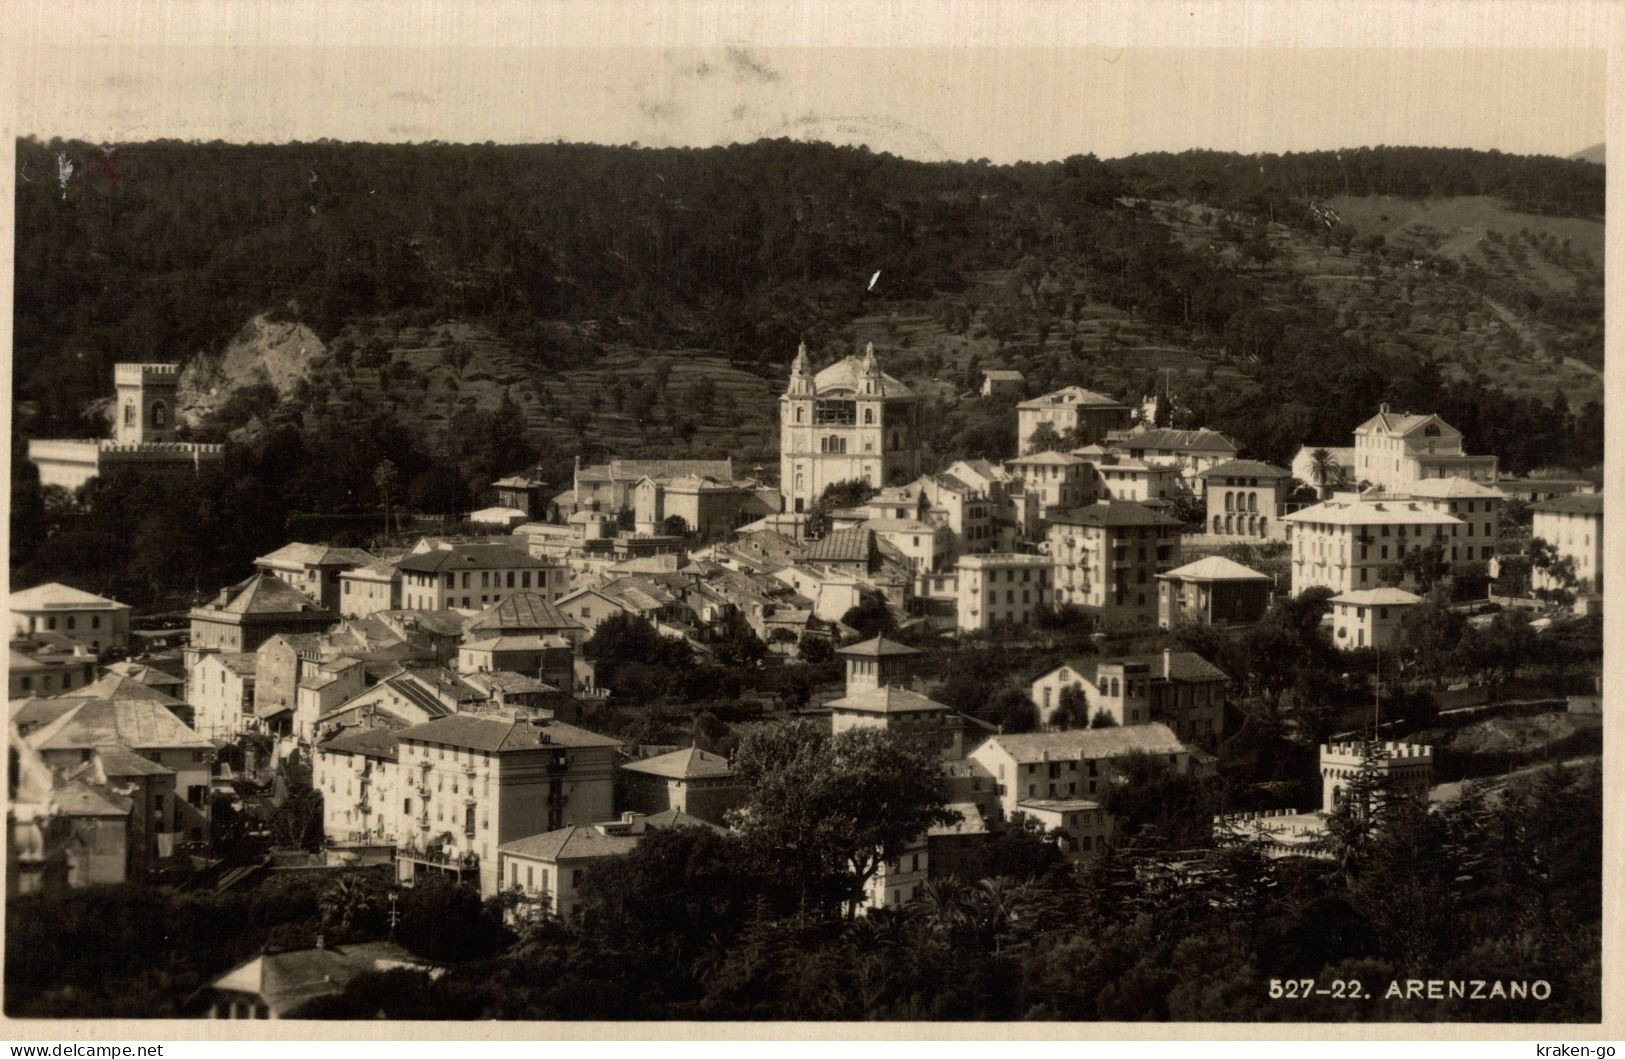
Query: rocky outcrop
{"type": "Point", "coordinates": [266, 351]}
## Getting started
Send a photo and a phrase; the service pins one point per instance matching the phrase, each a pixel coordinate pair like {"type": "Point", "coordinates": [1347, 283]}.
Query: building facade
{"type": "Point", "coordinates": [1107, 557]}
{"type": "Point", "coordinates": [1393, 450]}
{"type": "Point", "coordinates": [1572, 525]}
{"type": "Point", "coordinates": [1001, 590]}
{"type": "Point", "coordinates": [850, 422]}
{"type": "Point", "coordinates": [1212, 591]}
{"type": "Point", "coordinates": [1089, 416]}
{"type": "Point", "coordinates": [1370, 618]}
{"type": "Point", "coordinates": [1348, 543]}
{"type": "Point", "coordinates": [1246, 499]}
{"type": "Point", "coordinates": [99, 623]}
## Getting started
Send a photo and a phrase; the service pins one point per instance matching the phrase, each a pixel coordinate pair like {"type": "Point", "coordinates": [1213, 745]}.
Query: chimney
{"type": "Point", "coordinates": [321, 941]}
{"type": "Point", "coordinates": [1383, 408]}
{"type": "Point", "coordinates": [1167, 661]}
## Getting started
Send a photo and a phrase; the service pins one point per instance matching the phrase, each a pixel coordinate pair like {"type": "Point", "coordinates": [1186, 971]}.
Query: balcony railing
{"type": "Point", "coordinates": [432, 855]}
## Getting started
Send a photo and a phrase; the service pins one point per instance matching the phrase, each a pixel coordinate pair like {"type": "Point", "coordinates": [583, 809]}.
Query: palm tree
{"type": "Point", "coordinates": [1326, 472]}
{"type": "Point", "coordinates": [345, 901]}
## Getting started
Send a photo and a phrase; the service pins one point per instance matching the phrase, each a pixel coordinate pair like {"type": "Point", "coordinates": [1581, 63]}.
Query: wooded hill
{"type": "Point", "coordinates": [636, 300]}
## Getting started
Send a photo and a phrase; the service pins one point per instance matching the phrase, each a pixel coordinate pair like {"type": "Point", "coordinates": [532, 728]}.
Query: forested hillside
{"type": "Point", "coordinates": [350, 302]}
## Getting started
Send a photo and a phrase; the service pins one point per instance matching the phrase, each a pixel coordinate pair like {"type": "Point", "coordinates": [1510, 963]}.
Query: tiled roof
{"type": "Point", "coordinates": [570, 843]}
{"type": "Point", "coordinates": [1215, 568]}
{"type": "Point", "coordinates": [470, 557]}
{"type": "Point", "coordinates": [841, 546]}
{"type": "Point", "coordinates": [509, 682]}
{"type": "Point", "coordinates": [1058, 805]}
{"type": "Point", "coordinates": [1072, 395]}
{"type": "Point", "coordinates": [1003, 375]}
{"type": "Point", "coordinates": [690, 763]}
{"type": "Point", "coordinates": [382, 570]}
{"type": "Point", "coordinates": [1163, 438]}
{"type": "Point", "coordinates": [139, 724]}
{"type": "Point", "coordinates": [1178, 666]}
{"type": "Point", "coordinates": [1115, 513]}
{"type": "Point", "coordinates": [969, 821]}
{"type": "Point", "coordinates": [1372, 512]}
{"type": "Point", "coordinates": [81, 798]}
{"type": "Point", "coordinates": [670, 818]}
{"type": "Point", "coordinates": [1378, 597]}
{"type": "Point", "coordinates": [1454, 487]}
{"type": "Point", "coordinates": [122, 688]}
{"type": "Point", "coordinates": [57, 596]}
{"type": "Point", "coordinates": [1401, 423]}
{"type": "Point", "coordinates": [121, 761]}
{"type": "Point", "coordinates": [496, 735]}
{"type": "Point", "coordinates": [1245, 469]}
{"type": "Point", "coordinates": [317, 555]}
{"type": "Point", "coordinates": [1574, 504]}
{"type": "Point", "coordinates": [1047, 459]}
{"type": "Point", "coordinates": [382, 743]}
{"type": "Point", "coordinates": [521, 610]}
{"type": "Point", "coordinates": [242, 663]}
{"type": "Point", "coordinates": [888, 699]}
{"type": "Point", "coordinates": [152, 676]}
{"type": "Point", "coordinates": [878, 647]}
{"type": "Point", "coordinates": [29, 714]}
{"type": "Point", "coordinates": [1090, 743]}
{"type": "Point", "coordinates": [264, 594]}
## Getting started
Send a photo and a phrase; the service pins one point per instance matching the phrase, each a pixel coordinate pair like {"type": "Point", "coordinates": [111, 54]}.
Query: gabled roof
{"type": "Point", "coordinates": [520, 610]}
{"type": "Point", "coordinates": [1186, 667]}
{"type": "Point", "coordinates": [690, 763]}
{"type": "Point", "coordinates": [1115, 513]}
{"type": "Point", "coordinates": [1369, 511]}
{"type": "Point", "coordinates": [969, 821]}
{"type": "Point", "coordinates": [317, 555]}
{"type": "Point", "coordinates": [57, 596]}
{"type": "Point", "coordinates": [1047, 459]}
{"type": "Point", "coordinates": [470, 557]}
{"type": "Point", "coordinates": [152, 676]}
{"type": "Point", "coordinates": [570, 843]}
{"type": "Point", "coordinates": [1072, 395]}
{"type": "Point", "coordinates": [1403, 423]}
{"type": "Point", "coordinates": [1245, 469]}
{"type": "Point", "coordinates": [841, 546]}
{"type": "Point", "coordinates": [498, 735]}
{"type": "Point", "coordinates": [380, 742]}
{"type": "Point", "coordinates": [1090, 743]}
{"type": "Point", "coordinates": [138, 724]}
{"type": "Point", "coordinates": [888, 699]}
{"type": "Point", "coordinates": [1573, 504]}
{"type": "Point", "coordinates": [1378, 597]}
{"type": "Point", "coordinates": [1164, 438]}
{"type": "Point", "coordinates": [1214, 568]}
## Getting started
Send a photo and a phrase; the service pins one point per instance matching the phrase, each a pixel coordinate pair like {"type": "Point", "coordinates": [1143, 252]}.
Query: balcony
{"type": "Point", "coordinates": [439, 857]}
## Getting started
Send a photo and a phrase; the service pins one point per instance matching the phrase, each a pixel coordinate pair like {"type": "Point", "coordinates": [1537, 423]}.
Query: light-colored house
{"type": "Point", "coordinates": [366, 590]}
{"type": "Point", "coordinates": [1107, 557]}
{"type": "Point", "coordinates": [1001, 590]}
{"type": "Point", "coordinates": [275, 985]}
{"type": "Point", "coordinates": [468, 576]}
{"type": "Point", "coordinates": [220, 690]}
{"type": "Point", "coordinates": [476, 782]}
{"type": "Point", "coordinates": [245, 615]}
{"type": "Point", "coordinates": [99, 623]}
{"type": "Point", "coordinates": [1477, 505]}
{"type": "Point", "coordinates": [1212, 591]}
{"type": "Point", "coordinates": [314, 569]}
{"type": "Point", "coordinates": [1081, 827]}
{"type": "Point", "coordinates": [1572, 525]}
{"type": "Point", "coordinates": [1002, 382]}
{"type": "Point", "coordinates": [1192, 451]}
{"type": "Point", "coordinates": [1246, 499]}
{"type": "Point", "coordinates": [1115, 477]}
{"type": "Point", "coordinates": [1088, 415]}
{"type": "Point", "coordinates": [48, 663]}
{"type": "Point", "coordinates": [690, 780]}
{"type": "Point", "coordinates": [1370, 618]}
{"type": "Point", "coordinates": [1348, 542]}
{"type": "Point", "coordinates": [1060, 479]}
{"type": "Point", "coordinates": [877, 695]}
{"type": "Point", "coordinates": [1180, 689]}
{"type": "Point", "coordinates": [547, 869]}
{"type": "Point", "coordinates": [1395, 449]}
{"type": "Point", "coordinates": [1079, 763]}
{"type": "Point", "coordinates": [358, 775]}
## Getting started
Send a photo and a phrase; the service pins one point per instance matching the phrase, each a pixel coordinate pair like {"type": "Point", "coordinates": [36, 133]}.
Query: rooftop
{"type": "Point", "coordinates": [470, 557]}
{"type": "Point", "coordinates": [57, 596]}
{"type": "Point", "coordinates": [521, 610]}
{"type": "Point", "coordinates": [135, 723]}
{"type": "Point", "coordinates": [317, 555]}
{"type": "Point", "coordinates": [1090, 743]}
{"type": "Point", "coordinates": [1575, 504]}
{"type": "Point", "coordinates": [689, 763]}
{"type": "Point", "coordinates": [578, 842]}
{"type": "Point", "coordinates": [1215, 568]}
{"type": "Point", "coordinates": [1245, 469]}
{"type": "Point", "coordinates": [499, 735]}
{"type": "Point", "coordinates": [1115, 513]}
{"type": "Point", "coordinates": [1378, 597]}
{"type": "Point", "coordinates": [262, 594]}
{"type": "Point", "coordinates": [879, 647]}
{"type": "Point", "coordinates": [1162, 438]}
{"type": "Point", "coordinates": [1072, 395]}
{"type": "Point", "coordinates": [841, 546]}
{"type": "Point", "coordinates": [1453, 488]}
{"type": "Point", "coordinates": [847, 374]}
{"type": "Point", "coordinates": [382, 743]}
{"type": "Point", "coordinates": [1369, 511]}
{"type": "Point", "coordinates": [888, 699]}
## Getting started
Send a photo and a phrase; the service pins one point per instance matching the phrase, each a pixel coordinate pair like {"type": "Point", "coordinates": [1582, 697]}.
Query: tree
{"type": "Point", "coordinates": [674, 526]}
{"type": "Point", "coordinates": [831, 810]}
{"type": "Point", "coordinates": [781, 637]}
{"type": "Point", "coordinates": [1103, 719]}
{"type": "Point", "coordinates": [1012, 709]}
{"type": "Point", "coordinates": [635, 660]}
{"type": "Point", "coordinates": [442, 918]}
{"type": "Point", "coordinates": [1045, 438]}
{"type": "Point", "coordinates": [297, 822]}
{"type": "Point", "coordinates": [1071, 708]}
{"type": "Point", "coordinates": [1326, 472]}
{"type": "Point", "coordinates": [386, 479]}
{"type": "Point", "coordinates": [870, 616]}
{"type": "Point", "coordinates": [738, 644]}
{"type": "Point", "coordinates": [1429, 633]}
{"type": "Point", "coordinates": [440, 490]}
{"type": "Point", "coordinates": [814, 649]}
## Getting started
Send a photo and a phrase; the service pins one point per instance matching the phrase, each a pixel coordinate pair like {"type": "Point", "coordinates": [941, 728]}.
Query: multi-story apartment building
{"type": "Point", "coordinates": [220, 690]}
{"type": "Point", "coordinates": [1348, 542]}
{"type": "Point", "coordinates": [1002, 589]}
{"type": "Point", "coordinates": [1478, 506]}
{"type": "Point", "coordinates": [1117, 477]}
{"type": "Point", "coordinates": [99, 623]}
{"type": "Point", "coordinates": [1078, 763]}
{"type": "Point", "coordinates": [1191, 451]}
{"type": "Point", "coordinates": [1246, 499]}
{"type": "Point", "coordinates": [245, 615]}
{"type": "Point", "coordinates": [691, 780]}
{"type": "Point", "coordinates": [366, 590]}
{"type": "Point", "coordinates": [1572, 525]}
{"type": "Point", "coordinates": [1107, 557]}
{"type": "Point", "coordinates": [1060, 479]}
{"type": "Point", "coordinates": [467, 576]}
{"type": "Point", "coordinates": [850, 422]}
{"type": "Point", "coordinates": [1088, 415]}
{"type": "Point", "coordinates": [473, 782]}
{"type": "Point", "coordinates": [968, 513]}
{"type": "Point", "coordinates": [358, 775]}
{"type": "Point", "coordinates": [1393, 450]}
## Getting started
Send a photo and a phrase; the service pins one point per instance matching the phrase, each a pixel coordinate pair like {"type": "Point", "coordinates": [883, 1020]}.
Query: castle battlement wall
{"type": "Point", "coordinates": [1354, 753]}
{"type": "Point", "coordinates": [146, 374]}
{"type": "Point", "coordinates": [188, 449]}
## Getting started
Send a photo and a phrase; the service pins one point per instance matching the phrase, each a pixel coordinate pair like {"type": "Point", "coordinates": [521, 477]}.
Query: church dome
{"type": "Point", "coordinates": [846, 376]}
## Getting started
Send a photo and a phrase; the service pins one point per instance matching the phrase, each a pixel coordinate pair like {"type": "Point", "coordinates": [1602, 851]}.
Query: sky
{"type": "Point", "coordinates": [1017, 102]}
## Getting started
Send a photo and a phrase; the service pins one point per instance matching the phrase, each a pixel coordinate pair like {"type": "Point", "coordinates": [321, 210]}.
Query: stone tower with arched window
{"type": "Point", "coordinates": [146, 402]}
{"type": "Point", "coordinates": [849, 421]}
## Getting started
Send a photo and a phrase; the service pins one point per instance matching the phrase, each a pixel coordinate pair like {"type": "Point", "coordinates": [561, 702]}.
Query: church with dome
{"type": "Point", "coordinates": [849, 421]}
